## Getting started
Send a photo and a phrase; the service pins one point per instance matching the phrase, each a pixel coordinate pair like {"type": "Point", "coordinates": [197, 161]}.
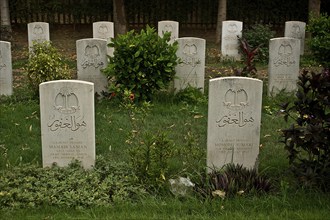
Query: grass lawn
{"type": "Point", "coordinates": [185, 123]}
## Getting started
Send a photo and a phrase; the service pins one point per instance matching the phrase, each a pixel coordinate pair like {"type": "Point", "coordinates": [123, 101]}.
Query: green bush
{"type": "Point", "coordinates": [319, 44]}
{"type": "Point", "coordinates": [142, 63]}
{"type": "Point", "coordinates": [307, 140]}
{"type": "Point", "coordinates": [45, 64]}
{"type": "Point", "coordinates": [259, 36]}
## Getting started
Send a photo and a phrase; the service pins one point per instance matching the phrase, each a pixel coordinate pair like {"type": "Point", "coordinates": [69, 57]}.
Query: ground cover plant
{"type": "Point", "coordinates": [179, 124]}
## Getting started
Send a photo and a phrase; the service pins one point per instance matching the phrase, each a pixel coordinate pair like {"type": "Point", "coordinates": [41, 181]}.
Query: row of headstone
{"type": "Point", "coordinates": [233, 136]}
{"type": "Point", "coordinates": [284, 58]}
{"type": "Point", "coordinates": [92, 53]}
{"type": "Point", "coordinates": [68, 127]}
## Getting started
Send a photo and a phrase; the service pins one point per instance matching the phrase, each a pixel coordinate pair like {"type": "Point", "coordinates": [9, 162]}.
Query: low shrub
{"type": "Point", "coordinates": [45, 64]}
{"type": "Point", "coordinates": [258, 36]}
{"type": "Point", "coordinates": [190, 95]}
{"type": "Point", "coordinates": [143, 63]}
{"type": "Point", "coordinates": [307, 140]}
{"type": "Point", "coordinates": [249, 55]}
{"type": "Point", "coordinates": [319, 44]}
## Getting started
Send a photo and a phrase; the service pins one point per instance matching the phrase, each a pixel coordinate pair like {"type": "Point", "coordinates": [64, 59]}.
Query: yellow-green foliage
{"type": "Point", "coordinates": [45, 64]}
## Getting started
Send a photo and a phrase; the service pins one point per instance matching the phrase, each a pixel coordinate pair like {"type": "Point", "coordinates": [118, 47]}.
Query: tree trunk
{"type": "Point", "coordinates": [222, 14]}
{"type": "Point", "coordinates": [119, 17]}
{"type": "Point", "coordinates": [5, 26]}
{"type": "Point", "coordinates": [314, 7]}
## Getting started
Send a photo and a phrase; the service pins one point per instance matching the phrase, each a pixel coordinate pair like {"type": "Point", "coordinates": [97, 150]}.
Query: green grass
{"type": "Point", "coordinates": [20, 144]}
{"type": "Point", "coordinates": [297, 205]}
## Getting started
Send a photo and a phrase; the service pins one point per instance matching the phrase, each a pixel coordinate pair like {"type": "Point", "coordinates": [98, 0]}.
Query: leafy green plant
{"type": "Point", "coordinates": [319, 43]}
{"type": "Point", "coordinates": [150, 160]}
{"type": "Point", "coordinates": [72, 186]}
{"type": "Point", "coordinates": [307, 140]}
{"type": "Point", "coordinates": [149, 151]}
{"type": "Point", "coordinates": [249, 55]}
{"type": "Point", "coordinates": [190, 95]}
{"type": "Point", "coordinates": [258, 36]}
{"type": "Point", "coordinates": [45, 64]}
{"type": "Point", "coordinates": [233, 180]}
{"type": "Point", "coordinates": [143, 63]}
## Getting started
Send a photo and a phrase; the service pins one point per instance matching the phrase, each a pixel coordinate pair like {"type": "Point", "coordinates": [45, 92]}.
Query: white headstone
{"type": "Point", "coordinates": [67, 122]}
{"type": "Point", "coordinates": [91, 59]}
{"type": "Point", "coordinates": [169, 26]}
{"type": "Point", "coordinates": [39, 32]}
{"type": "Point", "coordinates": [6, 73]}
{"type": "Point", "coordinates": [283, 66]}
{"type": "Point", "coordinates": [231, 30]}
{"type": "Point", "coordinates": [296, 29]}
{"type": "Point", "coordinates": [104, 30]}
{"type": "Point", "coordinates": [191, 70]}
{"type": "Point", "coordinates": [234, 115]}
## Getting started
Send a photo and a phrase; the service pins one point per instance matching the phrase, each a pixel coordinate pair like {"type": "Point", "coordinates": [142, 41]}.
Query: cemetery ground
{"type": "Point", "coordinates": [184, 121]}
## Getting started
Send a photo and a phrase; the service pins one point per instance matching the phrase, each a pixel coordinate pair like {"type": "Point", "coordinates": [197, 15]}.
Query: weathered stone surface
{"type": "Point", "coordinates": [67, 122]}
{"type": "Point", "coordinates": [234, 116]}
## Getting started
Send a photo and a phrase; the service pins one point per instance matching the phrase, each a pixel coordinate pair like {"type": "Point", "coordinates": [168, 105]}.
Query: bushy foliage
{"type": "Point", "coordinates": [234, 180]}
{"type": "Point", "coordinates": [45, 64]}
{"type": "Point", "coordinates": [150, 160]}
{"type": "Point", "coordinates": [143, 63]}
{"type": "Point", "coordinates": [32, 186]}
{"type": "Point", "coordinates": [249, 55]}
{"type": "Point", "coordinates": [319, 44]}
{"type": "Point", "coordinates": [190, 95]}
{"type": "Point", "coordinates": [307, 140]}
{"type": "Point", "coordinates": [258, 36]}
